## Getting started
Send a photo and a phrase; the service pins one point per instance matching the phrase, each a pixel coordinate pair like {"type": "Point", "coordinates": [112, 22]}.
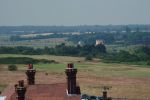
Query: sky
{"type": "Point", "coordinates": [74, 12]}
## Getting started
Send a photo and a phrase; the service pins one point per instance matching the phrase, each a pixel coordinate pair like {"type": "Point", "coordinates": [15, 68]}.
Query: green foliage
{"type": "Point", "coordinates": [46, 61]}
{"type": "Point", "coordinates": [111, 34]}
{"type": "Point", "coordinates": [127, 38]}
{"type": "Point", "coordinates": [12, 67]}
{"type": "Point", "coordinates": [142, 54]}
{"type": "Point", "coordinates": [61, 49]}
{"type": "Point", "coordinates": [128, 30]}
{"type": "Point", "coordinates": [88, 57]}
{"type": "Point", "coordinates": [18, 50]}
{"type": "Point", "coordinates": [148, 62]}
{"type": "Point", "coordinates": [23, 60]}
{"type": "Point", "coordinates": [90, 38]}
{"type": "Point", "coordinates": [124, 56]}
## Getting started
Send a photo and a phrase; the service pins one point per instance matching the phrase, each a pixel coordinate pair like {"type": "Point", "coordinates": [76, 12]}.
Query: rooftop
{"type": "Point", "coordinates": [42, 92]}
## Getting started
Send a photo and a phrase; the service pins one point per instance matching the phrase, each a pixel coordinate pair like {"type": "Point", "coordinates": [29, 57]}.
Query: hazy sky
{"type": "Point", "coordinates": [74, 12]}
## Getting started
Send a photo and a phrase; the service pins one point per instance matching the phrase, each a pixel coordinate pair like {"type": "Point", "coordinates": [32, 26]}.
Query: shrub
{"type": "Point", "coordinates": [23, 60]}
{"type": "Point", "coordinates": [88, 57]}
{"type": "Point", "coordinates": [148, 62]}
{"type": "Point", "coordinates": [12, 67]}
{"type": "Point", "coordinates": [47, 61]}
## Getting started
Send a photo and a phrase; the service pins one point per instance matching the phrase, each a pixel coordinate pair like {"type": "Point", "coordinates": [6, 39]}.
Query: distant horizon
{"type": "Point", "coordinates": [74, 25]}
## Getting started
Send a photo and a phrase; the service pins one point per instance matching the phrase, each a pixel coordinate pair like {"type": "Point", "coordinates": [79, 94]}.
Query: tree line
{"type": "Point", "coordinates": [127, 38]}
{"type": "Point", "coordinates": [114, 38]}
{"type": "Point", "coordinates": [140, 54]}
{"type": "Point", "coordinates": [61, 49]}
{"type": "Point", "coordinates": [23, 60]}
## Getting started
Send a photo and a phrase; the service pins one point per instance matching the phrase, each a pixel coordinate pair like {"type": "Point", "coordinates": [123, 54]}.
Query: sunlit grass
{"type": "Point", "coordinates": [98, 69]}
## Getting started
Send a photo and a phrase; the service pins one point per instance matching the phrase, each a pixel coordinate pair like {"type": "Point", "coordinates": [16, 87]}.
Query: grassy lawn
{"type": "Point", "coordinates": [98, 69]}
{"type": "Point", "coordinates": [50, 67]}
{"type": "Point", "coordinates": [2, 87]}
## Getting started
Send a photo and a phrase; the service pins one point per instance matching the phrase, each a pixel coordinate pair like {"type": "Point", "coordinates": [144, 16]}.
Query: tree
{"type": "Point", "coordinates": [137, 29]}
{"type": "Point", "coordinates": [128, 30]}
{"type": "Point", "coordinates": [12, 67]}
{"type": "Point", "coordinates": [88, 57]}
{"type": "Point", "coordinates": [101, 48]}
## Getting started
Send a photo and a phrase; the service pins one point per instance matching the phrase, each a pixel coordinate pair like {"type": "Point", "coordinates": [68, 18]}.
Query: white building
{"type": "Point", "coordinates": [98, 42]}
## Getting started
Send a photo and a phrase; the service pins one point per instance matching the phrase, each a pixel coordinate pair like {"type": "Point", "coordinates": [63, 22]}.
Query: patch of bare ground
{"type": "Point", "coordinates": [50, 78]}
{"type": "Point", "coordinates": [42, 77]}
{"type": "Point", "coordinates": [122, 87]}
{"type": "Point", "coordinates": [113, 80]}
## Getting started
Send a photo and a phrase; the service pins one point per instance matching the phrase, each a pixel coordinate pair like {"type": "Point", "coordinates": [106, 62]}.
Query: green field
{"type": "Point", "coordinates": [37, 43]}
{"type": "Point", "coordinates": [95, 67]}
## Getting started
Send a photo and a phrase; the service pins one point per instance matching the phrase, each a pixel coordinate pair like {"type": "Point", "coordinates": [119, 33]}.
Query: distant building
{"type": "Point", "coordinates": [81, 43]}
{"type": "Point", "coordinates": [75, 33]}
{"type": "Point", "coordinates": [98, 42]}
